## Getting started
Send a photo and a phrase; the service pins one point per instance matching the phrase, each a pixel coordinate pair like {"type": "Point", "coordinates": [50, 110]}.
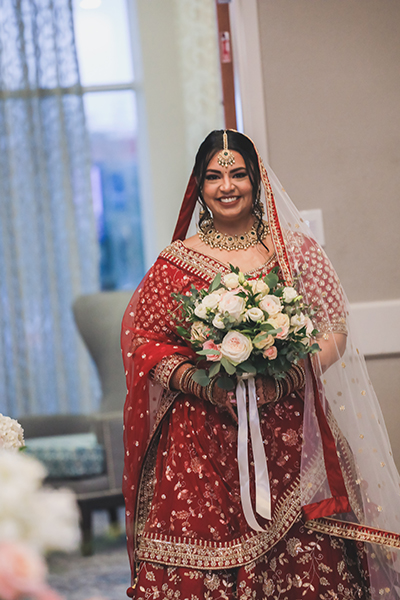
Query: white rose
{"type": "Point", "coordinates": [211, 301]}
{"type": "Point", "coordinates": [254, 314]}
{"type": "Point", "coordinates": [309, 326]}
{"type": "Point", "coordinates": [280, 321]}
{"type": "Point", "coordinates": [55, 520]}
{"type": "Point", "coordinates": [236, 347]}
{"type": "Point", "coordinates": [233, 305]}
{"type": "Point", "coordinates": [259, 287]}
{"type": "Point", "coordinates": [298, 321]}
{"type": "Point", "coordinates": [289, 294]}
{"type": "Point", "coordinates": [231, 280]}
{"type": "Point", "coordinates": [271, 304]}
{"type": "Point", "coordinates": [200, 311]}
{"type": "Point", "coordinates": [218, 322]}
{"type": "Point", "coordinates": [11, 434]}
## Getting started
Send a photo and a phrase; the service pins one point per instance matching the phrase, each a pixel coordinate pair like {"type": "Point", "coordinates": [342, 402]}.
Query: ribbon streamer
{"type": "Point", "coordinates": [263, 492]}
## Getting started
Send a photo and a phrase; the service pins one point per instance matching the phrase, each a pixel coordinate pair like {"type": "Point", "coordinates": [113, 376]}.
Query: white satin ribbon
{"type": "Point", "coordinates": [263, 492]}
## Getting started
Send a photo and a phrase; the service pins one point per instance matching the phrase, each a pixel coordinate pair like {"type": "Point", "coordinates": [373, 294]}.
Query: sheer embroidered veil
{"type": "Point", "coordinates": [350, 477]}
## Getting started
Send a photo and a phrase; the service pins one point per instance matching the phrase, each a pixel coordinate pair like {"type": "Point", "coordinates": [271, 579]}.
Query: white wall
{"type": "Point", "coordinates": [331, 85]}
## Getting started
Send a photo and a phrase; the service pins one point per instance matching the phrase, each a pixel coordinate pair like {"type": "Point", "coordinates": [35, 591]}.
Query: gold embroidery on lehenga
{"type": "Point", "coordinates": [202, 265]}
{"type": "Point", "coordinates": [203, 554]}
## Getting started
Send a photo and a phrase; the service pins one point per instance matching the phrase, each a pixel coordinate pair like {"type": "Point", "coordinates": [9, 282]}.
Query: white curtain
{"type": "Point", "coordinates": [200, 71]}
{"type": "Point", "coordinates": [48, 246]}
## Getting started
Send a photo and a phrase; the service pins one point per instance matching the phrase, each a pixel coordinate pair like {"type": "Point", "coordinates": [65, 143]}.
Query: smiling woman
{"type": "Point", "coordinates": [209, 514]}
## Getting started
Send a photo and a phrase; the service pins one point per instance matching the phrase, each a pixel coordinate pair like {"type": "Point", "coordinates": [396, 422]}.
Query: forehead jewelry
{"type": "Point", "coordinates": [225, 157]}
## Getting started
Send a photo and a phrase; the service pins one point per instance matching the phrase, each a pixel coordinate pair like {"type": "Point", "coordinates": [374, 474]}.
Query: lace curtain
{"type": "Point", "coordinates": [48, 246]}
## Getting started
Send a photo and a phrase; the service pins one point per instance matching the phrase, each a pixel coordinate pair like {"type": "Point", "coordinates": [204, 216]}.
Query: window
{"type": "Point", "coordinates": [103, 39]}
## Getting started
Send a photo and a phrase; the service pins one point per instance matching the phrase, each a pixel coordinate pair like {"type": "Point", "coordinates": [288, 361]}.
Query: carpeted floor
{"type": "Point", "coordinates": [104, 575]}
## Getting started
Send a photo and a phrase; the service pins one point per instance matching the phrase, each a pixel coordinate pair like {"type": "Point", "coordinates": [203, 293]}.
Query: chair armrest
{"type": "Point", "coordinates": [109, 431]}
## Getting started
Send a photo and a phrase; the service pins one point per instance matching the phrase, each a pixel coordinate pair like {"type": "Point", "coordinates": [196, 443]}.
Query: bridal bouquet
{"type": "Point", "coordinates": [242, 325]}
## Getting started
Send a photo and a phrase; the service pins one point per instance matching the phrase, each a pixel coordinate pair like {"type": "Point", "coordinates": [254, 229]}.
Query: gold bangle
{"type": "Point", "coordinates": [278, 390]}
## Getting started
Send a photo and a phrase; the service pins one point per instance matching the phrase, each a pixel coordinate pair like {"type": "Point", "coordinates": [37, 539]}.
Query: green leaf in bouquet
{"type": "Point", "coordinates": [247, 367]}
{"type": "Point", "coordinates": [234, 269]}
{"type": "Point", "coordinates": [271, 279]}
{"type": "Point", "coordinates": [207, 351]}
{"type": "Point", "coordinates": [182, 331]}
{"type": "Point", "coordinates": [225, 383]}
{"type": "Point", "coordinates": [215, 283]}
{"type": "Point", "coordinates": [260, 337]}
{"type": "Point", "coordinates": [228, 366]}
{"type": "Point", "coordinates": [314, 348]}
{"type": "Point", "coordinates": [200, 376]}
{"type": "Point", "coordinates": [214, 369]}
{"type": "Point", "coordinates": [266, 327]}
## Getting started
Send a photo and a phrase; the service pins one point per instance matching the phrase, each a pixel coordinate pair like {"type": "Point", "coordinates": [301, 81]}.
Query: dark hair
{"type": "Point", "coordinates": [238, 142]}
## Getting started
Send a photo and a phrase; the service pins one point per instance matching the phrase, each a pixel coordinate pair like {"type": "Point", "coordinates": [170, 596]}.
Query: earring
{"type": "Point", "coordinates": [205, 217]}
{"type": "Point", "coordinates": [258, 208]}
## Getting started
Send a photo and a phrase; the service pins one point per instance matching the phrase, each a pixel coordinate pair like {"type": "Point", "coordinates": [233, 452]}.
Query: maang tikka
{"type": "Point", "coordinates": [225, 158]}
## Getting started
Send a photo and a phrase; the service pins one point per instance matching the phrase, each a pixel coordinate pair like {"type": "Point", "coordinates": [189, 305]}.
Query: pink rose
{"type": "Point", "coordinates": [211, 345]}
{"type": "Point", "coordinates": [22, 572]}
{"type": "Point", "coordinates": [270, 353]}
{"type": "Point", "coordinates": [50, 594]}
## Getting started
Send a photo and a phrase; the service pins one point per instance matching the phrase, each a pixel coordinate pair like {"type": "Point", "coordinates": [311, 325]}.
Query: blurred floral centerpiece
{"type": "Point", "coordinates": [242, 325]}
{"type": "Point", "coordinates": [33, 519]}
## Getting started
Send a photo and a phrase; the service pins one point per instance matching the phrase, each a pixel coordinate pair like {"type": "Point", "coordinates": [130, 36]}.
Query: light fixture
{"type": "Point", "coordinates": [89, 4]}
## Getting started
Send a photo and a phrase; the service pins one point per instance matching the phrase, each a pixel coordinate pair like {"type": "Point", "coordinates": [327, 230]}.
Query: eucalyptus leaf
{"type": "Point", "coordinates": [225, 383]}
{"type": "Point", "coordinates": [214, 369]}
{"type": "Point", "coordinates": [182, 331]}
{"type": "Point", "coordinates": [248, 367]}
{"type": "Point", "coordinates": [200, 376]}
{"type": "Point", "coordinates": [216, 283]}
{"type": "Point", "coordinates": [271, 280]}
{"type": "Point", "coordinates": [229, 367]}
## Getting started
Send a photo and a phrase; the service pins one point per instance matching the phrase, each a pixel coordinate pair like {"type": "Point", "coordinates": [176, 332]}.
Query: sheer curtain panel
{"type": "Point", "coordinates": [48, 245]}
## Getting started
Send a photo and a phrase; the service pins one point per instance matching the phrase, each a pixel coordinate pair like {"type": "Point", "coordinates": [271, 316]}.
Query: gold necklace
{"type": "Point", "coordinates": [216, 239]}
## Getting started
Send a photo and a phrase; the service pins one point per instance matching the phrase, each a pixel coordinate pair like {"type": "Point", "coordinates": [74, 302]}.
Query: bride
{"type": "Point", "coordinates": [334, 507]}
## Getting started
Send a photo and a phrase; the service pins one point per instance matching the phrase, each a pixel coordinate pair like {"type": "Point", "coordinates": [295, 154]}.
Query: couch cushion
{"type": "Point", "coordinates": [66, 456]}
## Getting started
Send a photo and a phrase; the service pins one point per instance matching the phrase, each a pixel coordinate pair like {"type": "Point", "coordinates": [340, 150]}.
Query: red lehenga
{"type": "Point", "coordinates": [187, 535]}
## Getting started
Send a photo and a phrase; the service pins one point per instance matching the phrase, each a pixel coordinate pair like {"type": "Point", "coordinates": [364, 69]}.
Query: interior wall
{"type": "Point", "coordinates": [332, 96]}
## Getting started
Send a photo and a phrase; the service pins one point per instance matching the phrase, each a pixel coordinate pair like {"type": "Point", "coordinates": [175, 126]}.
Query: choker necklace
{"type": "Point", "coordinates": [216, 239]}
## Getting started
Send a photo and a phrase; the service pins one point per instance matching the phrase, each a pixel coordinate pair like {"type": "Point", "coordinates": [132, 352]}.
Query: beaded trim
{"type": "Point", "coordinates": [166, 368]}
{"type": "Point", "coordinates": [354, 531]}
{"type": "Point", "coordinates": [204, 554]}
{"type": "Point", "coordinates": [204, 266]}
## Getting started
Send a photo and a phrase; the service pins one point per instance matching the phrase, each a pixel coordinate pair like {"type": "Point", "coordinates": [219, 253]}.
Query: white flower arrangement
{"type": "Point", "coordinates": [11, 434]}
{"type": "Point", "coordinates": [240, 325]}
{"type": "Point", "coordinates": [33, 520]}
